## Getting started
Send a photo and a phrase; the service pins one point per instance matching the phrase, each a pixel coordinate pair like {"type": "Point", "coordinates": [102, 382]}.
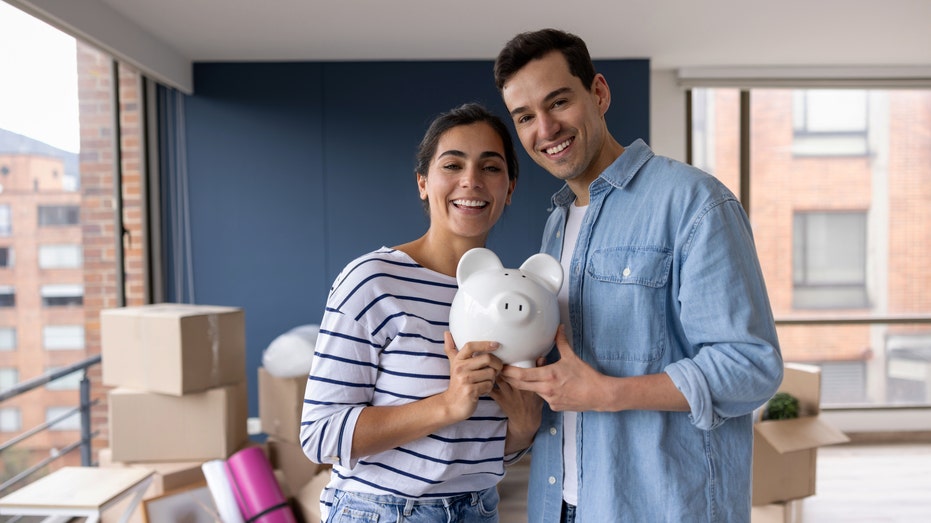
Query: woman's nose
{"type": "Point", "coordinates": [471, 177]}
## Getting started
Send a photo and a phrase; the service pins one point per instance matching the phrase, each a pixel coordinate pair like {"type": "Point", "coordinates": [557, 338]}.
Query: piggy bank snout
{"type": "Point", "coordinates": [513, 307]}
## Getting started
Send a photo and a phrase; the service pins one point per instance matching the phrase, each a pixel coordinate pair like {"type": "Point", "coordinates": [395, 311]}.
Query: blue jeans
{"type": "Point", "coordinates": [568, 513]}
{"type": "Point", "coordinates": [351, 507]}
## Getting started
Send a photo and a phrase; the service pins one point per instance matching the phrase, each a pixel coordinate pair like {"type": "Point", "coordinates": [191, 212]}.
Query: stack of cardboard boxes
{"type": "Point", "coordinates": [180, 389]}
{"type": "Point", "coordinates": [785, 451]}
{"type": "Point", "coordinates": [280, 402]}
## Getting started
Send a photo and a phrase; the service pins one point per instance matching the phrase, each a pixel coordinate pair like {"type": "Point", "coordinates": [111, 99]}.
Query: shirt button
{"type": "Point", "coordinates": [627, 271]}
{"type": "Point", "coordinates": [558, 234]}
{"type": "Point", "coordinates": [552, 480]}
{"type": "Point", "coordinates": [553, 430]}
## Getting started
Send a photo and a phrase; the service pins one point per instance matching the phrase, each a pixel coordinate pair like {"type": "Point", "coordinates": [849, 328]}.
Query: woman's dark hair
{"type": "Point", "coordinates": [465, 114]}
{"type": "Point", "coordinates": [535, 44]}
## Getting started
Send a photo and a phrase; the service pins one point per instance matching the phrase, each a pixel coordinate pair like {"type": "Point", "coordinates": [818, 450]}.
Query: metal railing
{"type": "Point", "coordinates": [84, 408]}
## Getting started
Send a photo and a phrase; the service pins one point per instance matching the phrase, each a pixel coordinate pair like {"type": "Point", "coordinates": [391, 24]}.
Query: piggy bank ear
{"type": "Point", "coordinates": [547, 270]}
{"type": "Point", "coordinates": [474, 260]}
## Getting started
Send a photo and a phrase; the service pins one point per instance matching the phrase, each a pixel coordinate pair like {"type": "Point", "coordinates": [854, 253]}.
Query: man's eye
{"type": "Point", "coordinates": [559, 103]}
{"type": "Point", "coordinates": [523, 119]}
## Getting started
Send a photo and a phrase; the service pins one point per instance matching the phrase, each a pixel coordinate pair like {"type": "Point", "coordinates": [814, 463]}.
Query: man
{"type": "Point", "coordinates": [668, 343]}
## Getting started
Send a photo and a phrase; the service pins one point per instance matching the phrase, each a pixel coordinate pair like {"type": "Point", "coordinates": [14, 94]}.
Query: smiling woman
{"type": "Point", "coordinates": [407, 418]}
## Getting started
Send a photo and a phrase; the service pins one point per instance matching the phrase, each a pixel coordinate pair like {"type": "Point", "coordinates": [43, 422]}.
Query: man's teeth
{"type": "Point", "coordinates": [469, 203]}
{"type": "Point", "coordinates": [558, 148]}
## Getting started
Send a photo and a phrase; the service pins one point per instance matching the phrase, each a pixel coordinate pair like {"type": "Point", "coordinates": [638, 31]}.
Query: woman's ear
{"type": "Point", "coordinates": [422, 185]}
{"type": "Point", "coordinates": [511, 186]}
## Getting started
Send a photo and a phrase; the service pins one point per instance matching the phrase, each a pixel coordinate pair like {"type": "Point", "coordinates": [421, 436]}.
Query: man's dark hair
{"type": "Point", "coordinates": [533, 45]}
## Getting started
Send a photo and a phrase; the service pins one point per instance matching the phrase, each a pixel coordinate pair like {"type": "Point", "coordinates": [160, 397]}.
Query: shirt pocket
{"type": "Point", "coordinates": [626, 294]}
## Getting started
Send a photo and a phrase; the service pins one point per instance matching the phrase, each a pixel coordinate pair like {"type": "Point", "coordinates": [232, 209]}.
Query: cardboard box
{"type": "Point", "coordinates": [785, 451]}
{"type": "Point", "coordinates": [289, 458]}
{"type": "Point", "coordinates": [788, 512]}
{"type": "Point", "coordinates": [280, 404]}
{"type": "Point", "coordinates": [168, 476]}
{"type": "Point", "coordinates": [173, 348]}
{"type": "Point", "coordinates": [147, 426]}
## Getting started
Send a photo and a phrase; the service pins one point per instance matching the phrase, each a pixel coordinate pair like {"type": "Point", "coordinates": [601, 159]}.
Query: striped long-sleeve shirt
{"type": "Point", "coordinates": [381, 343]}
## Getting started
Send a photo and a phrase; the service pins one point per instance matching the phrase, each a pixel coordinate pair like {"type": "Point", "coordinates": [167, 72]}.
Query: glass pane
{"type": "Point", "coordinates": [57, 150]}
{"type": "Point", "coordinates": [840, 185]}
{"type": "Point", "coordinates": [716, 134]}
{"type": "Point", "coordinates": [842, 229]}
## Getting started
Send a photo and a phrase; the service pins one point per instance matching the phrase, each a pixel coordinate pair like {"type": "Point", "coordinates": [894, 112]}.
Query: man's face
{"type": "Point", "coordinates": [559, 122]}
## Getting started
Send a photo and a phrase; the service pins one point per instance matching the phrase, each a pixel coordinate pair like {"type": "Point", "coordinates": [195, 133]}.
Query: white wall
{"type": "Point", "coordinates": [667, 114]}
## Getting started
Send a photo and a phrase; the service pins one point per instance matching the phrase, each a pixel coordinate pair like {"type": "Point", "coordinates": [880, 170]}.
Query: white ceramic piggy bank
{"type": "Point", "coordinates": [515, 307]}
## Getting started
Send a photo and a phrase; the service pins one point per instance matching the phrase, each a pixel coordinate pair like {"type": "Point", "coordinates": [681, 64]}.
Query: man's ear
{"type": "Point", "coordinates": [601, 92]}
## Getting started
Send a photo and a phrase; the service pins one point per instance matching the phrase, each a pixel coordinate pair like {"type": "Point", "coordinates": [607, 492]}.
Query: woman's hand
{"type": "Point", "coordinates": [524, 411]}
{"type": "Point", "coordinates": [472, 374]}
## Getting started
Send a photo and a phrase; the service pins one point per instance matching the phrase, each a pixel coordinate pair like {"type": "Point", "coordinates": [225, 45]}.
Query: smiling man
{"type": "Point", "coordinates": [668, 343]}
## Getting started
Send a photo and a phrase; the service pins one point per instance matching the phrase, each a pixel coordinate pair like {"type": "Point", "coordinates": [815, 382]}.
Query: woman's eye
{"type": "Point", "coordinates": [493, 168]}
{"type": "Point", "coordinates": [451, 166]}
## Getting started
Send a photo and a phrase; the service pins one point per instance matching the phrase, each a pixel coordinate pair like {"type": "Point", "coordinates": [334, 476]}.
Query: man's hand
{"type": "Point", "coordinates": [568, 384]}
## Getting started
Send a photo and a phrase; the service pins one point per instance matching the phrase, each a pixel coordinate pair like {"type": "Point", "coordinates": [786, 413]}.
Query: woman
{"type": "Point", "coordinates": [416, 429]}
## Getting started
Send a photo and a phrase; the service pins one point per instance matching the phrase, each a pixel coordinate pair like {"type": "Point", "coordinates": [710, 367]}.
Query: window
{"type": "Point", "coordinates": [72, 422]}
{"type": "Point", "coordinates": [9, 376]}
{"type": "Point", "coordinates": [830, 122]}
{"type": "Point", "coordinates": [62, 295]}
{"type": "Point", "coordinates": [10, 419]}
{"type": "Point", "coordinates": [68, 382]}
{"type": "Point", "coordinates": [63, 337]}
{"type": "Point", "coordinates": [6, 220]}
{"type": "Point", "coordinates": [6, 257]}
{"type": "Point", "coordinates": [7, 338]}
{"type": "Point", "coordinates": [7, 296]}
{"type": "Point", "coordinates": [829, 260]}
{"type": "Point", "coordinates": [60, 256]}
{"type": "Point", "coordinates": [837, 188]}
{"type": "Point", "coordinates": [53, 215]}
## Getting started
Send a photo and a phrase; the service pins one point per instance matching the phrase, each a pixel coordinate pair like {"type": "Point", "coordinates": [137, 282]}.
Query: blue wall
{"type": "Point", "coordinates": [294, 169]}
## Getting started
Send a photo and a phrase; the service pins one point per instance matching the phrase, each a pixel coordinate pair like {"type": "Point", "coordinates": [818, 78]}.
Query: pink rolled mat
{"type": "Point", "coordinates": [256, 490]}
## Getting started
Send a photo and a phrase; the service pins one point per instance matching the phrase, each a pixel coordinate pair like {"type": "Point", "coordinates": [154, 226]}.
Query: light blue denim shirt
{"type": "Point", "coordinates": [664, 278]}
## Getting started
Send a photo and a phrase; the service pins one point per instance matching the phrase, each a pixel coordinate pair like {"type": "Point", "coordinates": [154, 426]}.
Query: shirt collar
{"type": "Point", "coordinates": [618, 174]}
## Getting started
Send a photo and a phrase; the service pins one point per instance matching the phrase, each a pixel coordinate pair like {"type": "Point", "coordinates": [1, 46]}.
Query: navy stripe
{"type": "Point", "coordinates": [315, 402]}
{"type": "Point", "coordinates": [350, 338]}
{"type": "Point", "coordinates": [343, 383]}
{"type": "Point", "coordinates": [449, 462]}
{"type": "Point", "coordinates": [412, 353]}
{"type": "Point", "coordinates": [395, 277]}
{"type": "Point", "coordinates": [344, 360]}
{"type": "Point", "coordinates": [400, 472]}
{"type": "Point", "coordinates": [401, 314]}
{"type": "Point", "coordinates": [398, 395]}
{"type": "Point", "coordinates": [414, 335]}
{"type": "Point", "coordinates": [465, 440]}
{"type": "Point", "coordinates": [403, 494]}
{"type": "Point", "coordinates": [383, 260]}
{"type": "Point", "coordinates": [409, 375]}
{"type": "Point", "coordinates": [401, 298]}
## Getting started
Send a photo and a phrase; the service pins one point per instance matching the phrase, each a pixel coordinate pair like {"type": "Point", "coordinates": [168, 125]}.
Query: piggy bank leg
{"type": "Point", "coordinates": [526, 364]}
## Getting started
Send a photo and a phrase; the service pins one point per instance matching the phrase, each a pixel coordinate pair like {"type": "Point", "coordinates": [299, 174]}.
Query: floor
{"type": "Point", "coordinates": [866, 483]}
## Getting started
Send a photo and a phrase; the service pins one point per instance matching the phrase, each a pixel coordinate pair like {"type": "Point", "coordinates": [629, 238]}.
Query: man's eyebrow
{"type": "Point", "coordinates": [548, 97]}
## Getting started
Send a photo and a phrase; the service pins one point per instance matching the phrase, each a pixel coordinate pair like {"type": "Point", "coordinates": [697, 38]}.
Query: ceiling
{"type": "Point", "coordinates": [671, 33]}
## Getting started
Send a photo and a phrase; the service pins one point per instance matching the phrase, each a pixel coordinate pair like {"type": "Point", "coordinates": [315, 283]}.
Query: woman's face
{"type": "Point", "coordinates": [467, 185]}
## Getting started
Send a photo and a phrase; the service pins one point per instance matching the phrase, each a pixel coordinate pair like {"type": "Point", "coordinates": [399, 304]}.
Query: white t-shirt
{"type": "Point", "coordinates": [570, 485]}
